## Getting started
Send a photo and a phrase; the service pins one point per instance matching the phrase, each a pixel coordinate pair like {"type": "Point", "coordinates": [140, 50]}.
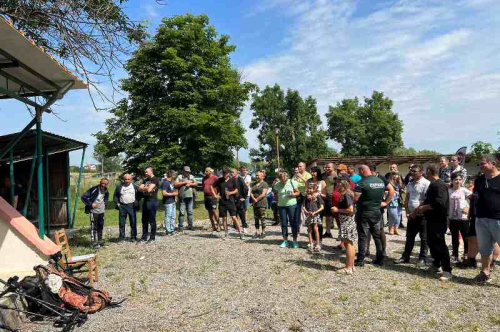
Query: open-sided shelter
{"type": "Point", "coordinates": [31, 76]}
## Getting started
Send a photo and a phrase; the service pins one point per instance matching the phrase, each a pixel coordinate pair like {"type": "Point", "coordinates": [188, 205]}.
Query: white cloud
{"type": "Point", "coordinates": [435, 59]}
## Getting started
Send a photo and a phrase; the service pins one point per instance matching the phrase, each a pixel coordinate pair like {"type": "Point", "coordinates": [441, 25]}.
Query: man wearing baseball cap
{"type": "Point", "coordinates": [186, 183]}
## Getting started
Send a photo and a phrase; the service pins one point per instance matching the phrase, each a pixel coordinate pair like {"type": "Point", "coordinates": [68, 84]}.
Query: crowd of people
{"type": "Point", "coordinates": [434, 199]}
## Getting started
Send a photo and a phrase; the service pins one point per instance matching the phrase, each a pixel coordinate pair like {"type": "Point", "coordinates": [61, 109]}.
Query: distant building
{"type": "Point", "coordinates": [383, 162]}
{"type": "Point", "coordinates": [90, 167]}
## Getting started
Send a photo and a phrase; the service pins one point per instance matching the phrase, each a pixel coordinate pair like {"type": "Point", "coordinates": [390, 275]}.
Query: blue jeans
{"type": "Point", "coordinates": [288, 215]}
{"type": "Point", "coordinates": [186, 205]}
{"type": "Point", "coordinates": [170, 217]}
{"type": "Point", "coordinates": [394, 215]}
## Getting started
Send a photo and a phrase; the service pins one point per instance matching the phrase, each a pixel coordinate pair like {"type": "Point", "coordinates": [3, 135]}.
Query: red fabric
{"type": "Point", "coordinates": [207, 183]}
{"type": "Point", "coordinates": [336, 194]}
{"type": "Point", "coordinates": [73, 299]}
{"type": "Point", "coordinates": [336, 199]}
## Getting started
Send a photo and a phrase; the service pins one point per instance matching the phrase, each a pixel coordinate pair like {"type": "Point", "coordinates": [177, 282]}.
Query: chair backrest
{"type": "Point", "coordinates": [62, 240]}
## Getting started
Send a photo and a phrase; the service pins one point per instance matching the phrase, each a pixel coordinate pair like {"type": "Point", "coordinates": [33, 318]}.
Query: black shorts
{"type": "Point", "coordinates": [210, 203]}
{"type": "Point", "coordinates": [472, 227]}
{"type": "Point", "coordinates": [327, 211]}
{"type": "Point", "coordinates": [224, 208]}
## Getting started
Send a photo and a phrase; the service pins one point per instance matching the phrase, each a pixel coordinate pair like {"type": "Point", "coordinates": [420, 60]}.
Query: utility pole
{"type": "Point", "coordinates": [278, 146]}
{"type": "Point", "coordinates": [238, 158]}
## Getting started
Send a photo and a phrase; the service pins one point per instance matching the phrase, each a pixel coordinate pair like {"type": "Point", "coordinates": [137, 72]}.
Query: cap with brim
{"type": "Point", "coordinates": [187, 169]}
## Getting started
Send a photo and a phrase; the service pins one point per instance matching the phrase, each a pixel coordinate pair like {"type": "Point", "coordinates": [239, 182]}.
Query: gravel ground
{"type": "Point", "coordinates": [197, 282]}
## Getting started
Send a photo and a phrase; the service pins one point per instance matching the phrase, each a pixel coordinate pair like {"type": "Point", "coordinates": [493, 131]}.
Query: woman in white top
{"type": "Point", "coordinates": [459, 208]}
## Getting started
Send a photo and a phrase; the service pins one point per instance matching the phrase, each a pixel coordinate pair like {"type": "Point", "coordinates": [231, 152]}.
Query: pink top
{"type": "Point", "coordinates": [458, 201]}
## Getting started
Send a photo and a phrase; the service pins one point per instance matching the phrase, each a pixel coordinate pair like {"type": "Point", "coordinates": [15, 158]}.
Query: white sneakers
{"type": "Point", "coordinates": [446, 276]}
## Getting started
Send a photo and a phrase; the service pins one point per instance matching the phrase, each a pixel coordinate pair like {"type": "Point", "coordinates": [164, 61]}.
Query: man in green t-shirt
{"type": "Point", "coordinates": [301, 177]}
{"type": "Point", "coordinates": [369, 195]}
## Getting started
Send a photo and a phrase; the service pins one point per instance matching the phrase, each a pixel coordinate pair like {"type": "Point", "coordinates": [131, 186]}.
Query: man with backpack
{"type": "Point", "coordinates": [95, 200]}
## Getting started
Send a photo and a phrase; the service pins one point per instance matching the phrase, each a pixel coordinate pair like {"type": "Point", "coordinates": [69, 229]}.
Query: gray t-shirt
{"type": "Point", "coordinates": [100, 203]}
{"type": "Point", "coordinates": [185, 191]}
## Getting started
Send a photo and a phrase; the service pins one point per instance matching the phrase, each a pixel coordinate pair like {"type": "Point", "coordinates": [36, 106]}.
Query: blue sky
{"type": "Point", "coordinates": [437, 60]}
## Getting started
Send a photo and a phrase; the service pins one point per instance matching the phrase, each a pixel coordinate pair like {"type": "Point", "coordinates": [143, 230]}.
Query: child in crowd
{"type": "Point", "coordinates": [311, 208]}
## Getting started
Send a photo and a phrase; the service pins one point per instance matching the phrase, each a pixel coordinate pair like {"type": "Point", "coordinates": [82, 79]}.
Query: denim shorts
{"type": "Point", "coordinates": [247, 202]}
{"type": "Point", "coordinates": [488, 232]}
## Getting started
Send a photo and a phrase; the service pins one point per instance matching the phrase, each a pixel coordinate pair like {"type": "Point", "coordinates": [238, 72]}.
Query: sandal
{"type": "Point", "coordinates": [345, 271]}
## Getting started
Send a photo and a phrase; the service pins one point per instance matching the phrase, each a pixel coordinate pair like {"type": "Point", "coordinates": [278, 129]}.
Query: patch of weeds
{"type": "Point", "coordinates": [462, 309]}
{"type": "Point", "coordinates": [427, 311]}
{"type": "Point", "coordinates": [144, 284]}
{"type": "Point", "coordinates": [131, 255]}
{"type": "Point", "coordinates": [225, 273]}
{"type": "Point", "coordinates": [415, 286]}
{"type": "Point", "coordinates": [494, 320]}
{"type": "Point", "coordinates": [432, 323]}
{"type": "Point", "coordinates": [474, 327]}
{"type": "Point", "coordinates": [343, 298]}
{"type": "Point", "coordinates": [375, 298]}
{"type": "Point", "coordinates": [116, 278]}
{"type": "Point", "coordinates": [153, 270]}
{"type": "Point", "coordinates": [133, 290]}
{"type": "Point", "coordinates": [395, 283]}
{"type": "Point", "coordinates": [333, 312]}
{"type": "Point", "coordinates": [277, 269]}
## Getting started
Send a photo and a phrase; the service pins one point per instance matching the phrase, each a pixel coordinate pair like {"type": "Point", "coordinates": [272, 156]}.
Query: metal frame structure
{"type": "Point", "coordinates": [22, 82]}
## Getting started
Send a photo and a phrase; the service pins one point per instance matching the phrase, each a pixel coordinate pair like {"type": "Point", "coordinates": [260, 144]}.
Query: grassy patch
{"type": "Point", "coordinates": [495, 320]}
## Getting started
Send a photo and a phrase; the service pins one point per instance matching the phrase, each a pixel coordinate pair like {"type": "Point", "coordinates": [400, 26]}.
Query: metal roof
{"type": "Point", "coordinates": [27, 70]}
{"type": "Point", "coordinates": [377, 160]}
{"type": "Point", "coordinates": [25, 149]}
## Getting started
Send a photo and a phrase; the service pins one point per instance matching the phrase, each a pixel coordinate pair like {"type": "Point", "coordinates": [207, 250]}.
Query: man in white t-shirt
{"type": "Point", "coordinates": [126, 198]}
{"type": "Point", "coordinates": [247, 180]}
{"type": "Point", "coordinates": [415, 196]}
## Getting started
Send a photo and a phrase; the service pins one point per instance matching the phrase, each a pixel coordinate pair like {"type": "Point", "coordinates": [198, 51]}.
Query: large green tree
{"type": "Point", "coordinates": [184, 100]}
{"type": "Point", "coordinates": [480, 148]}
{"type": "Point", "coordinates": [301, 134]}
{"type": "Point", "coordinates": [365, 129]}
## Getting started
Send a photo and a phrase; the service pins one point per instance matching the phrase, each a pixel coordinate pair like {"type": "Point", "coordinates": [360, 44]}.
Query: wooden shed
{"type": "Point", "coordinates": [55, 154]}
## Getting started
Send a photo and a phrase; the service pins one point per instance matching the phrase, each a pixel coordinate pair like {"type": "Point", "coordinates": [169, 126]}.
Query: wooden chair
{"type": "Point", "coordinates": [75, 262]}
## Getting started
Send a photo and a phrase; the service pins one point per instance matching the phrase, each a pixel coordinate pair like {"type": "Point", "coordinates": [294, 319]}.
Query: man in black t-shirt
{"type": "Point", "coordinates": [487, 209]}
{"type": "Point", "coordinates": [149, 189]}
{"type": "Point", "coordinates": [435, 209]}
{"type": "Point", "coordinates": [225, 189]}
